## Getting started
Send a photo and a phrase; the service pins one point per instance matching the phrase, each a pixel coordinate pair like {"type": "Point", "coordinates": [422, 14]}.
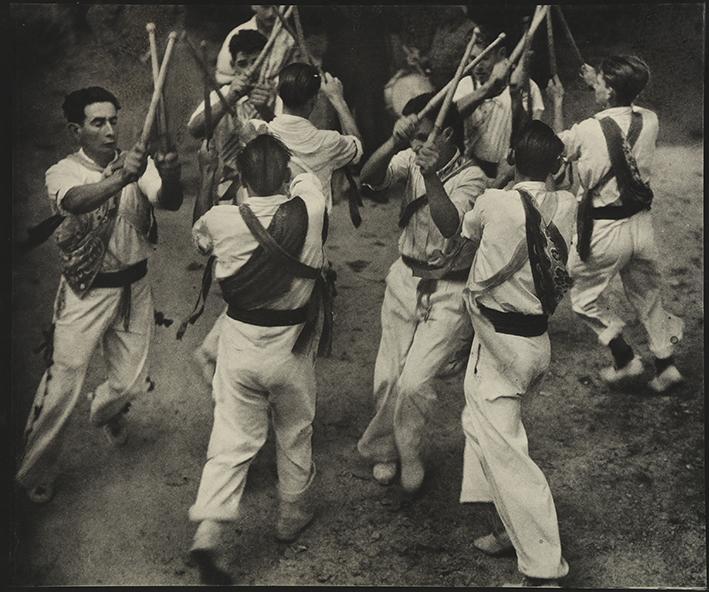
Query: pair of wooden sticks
{"type": "Point", "coordinates": [157, 110]}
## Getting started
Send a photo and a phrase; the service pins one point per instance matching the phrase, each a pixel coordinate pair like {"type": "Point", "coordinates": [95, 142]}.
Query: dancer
{"type": "Point", "coordinates": [107, 235]}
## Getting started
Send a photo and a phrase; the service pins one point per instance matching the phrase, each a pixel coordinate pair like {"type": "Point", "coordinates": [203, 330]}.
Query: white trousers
{"type": "Point", "coordinates": [419, 336]}
{"type": "Point", "coordinates": [80, 324]}
{"type": "Point", "coordinates": [210, 344]}
{"type": "Point", "coordinates": [626, 248]}
{"type": "Point", "coordinates": [247, 385]}
{"type": "Point", "coordinates": [496, 463]}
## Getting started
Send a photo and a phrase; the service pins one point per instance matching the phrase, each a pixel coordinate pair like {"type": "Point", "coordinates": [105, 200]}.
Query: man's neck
{"type": "Point", "coordinates": [520, 178]}
{"type": "Point", "coordinates": [447, 153]}
{"type": "Point", "coordinates": [103, 160]}
{"type": "Point", "coordinates": [299, 112]}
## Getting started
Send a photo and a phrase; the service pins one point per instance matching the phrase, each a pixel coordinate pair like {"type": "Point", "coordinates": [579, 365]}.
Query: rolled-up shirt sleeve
{"type": "Point", "coordinates": [473, 221]}
{"type": "Point", "coordinates": [308, 187]}
{"type": "Point", "coordinates": [471, 184]}
{"type": "Point", "coordinates": [397, 170]}
{"type": "Point", "coordinates": [60, 179]}
{"type": "Point", "coordinates": [201, 237]}
{"type": "Point", "coordinates": [342, 150]}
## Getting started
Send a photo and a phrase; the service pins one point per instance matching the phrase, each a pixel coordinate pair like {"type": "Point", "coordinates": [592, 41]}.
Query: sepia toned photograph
{"type": "Point", "coordinates": [357, 295]}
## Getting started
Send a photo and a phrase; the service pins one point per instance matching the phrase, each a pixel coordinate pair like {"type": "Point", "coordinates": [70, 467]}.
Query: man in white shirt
{"type": "Point", "coordinates": [105, 199]}
{"type": "Point", "coordinates": [266, 360]}
{"type": "Point", "coordinates": [509, 301]}
{"type": "Point", "coordinates": [248, 101]}
{"type": "Point", "coordinates": [316, 150]}
{"type": "Point", "coordinates": [423, 316]}
{"type": "Point", "coordinates": [320, 152]}
{"type": "Point", "coordinates": [263, 21]}
{"type": "Point", "coordinates": [487, 106]}
{"type": "Point", "coordinates": [622, 238]}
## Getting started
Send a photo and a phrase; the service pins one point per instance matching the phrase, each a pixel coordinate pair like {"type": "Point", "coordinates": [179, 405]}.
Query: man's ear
{"type": "Point", "coordinates": [74, 130]}
{"type": "Point", "coordinates": [511, 157]}
{"type": "Point", "coordinates": [447, 134]}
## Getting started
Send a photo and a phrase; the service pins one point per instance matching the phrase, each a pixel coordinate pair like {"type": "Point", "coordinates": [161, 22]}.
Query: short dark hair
{"type": "Point", "coordinates": [537, 150]}
{"type": "Point", "coordinates": [297, 84]}
{"type": "Point", "coordinates": [452, 120]}
{"type": "Point", "coordinates": [263, 164]}
{"type": "Point", "coordinates": [627, 75]}
{"type": "Point", "coordinates": [75, 102]}
{"type": "Point", "coordinates": [248, 41]}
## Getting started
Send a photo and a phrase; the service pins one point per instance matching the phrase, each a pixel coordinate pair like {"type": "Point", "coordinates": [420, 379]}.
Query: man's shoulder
{"type": "Point", "coordinates": [67, 164]}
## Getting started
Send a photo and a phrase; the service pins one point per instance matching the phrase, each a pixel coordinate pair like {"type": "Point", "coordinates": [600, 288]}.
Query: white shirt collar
{"type": "Point", "coordinates": [622, 110]}
{"type": "Point", "coordinates": [531, 185]}
{"type": "Point", "coordinates": [450, 164]}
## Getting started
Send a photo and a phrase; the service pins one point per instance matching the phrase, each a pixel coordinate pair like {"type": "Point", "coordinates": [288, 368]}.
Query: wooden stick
{"type": "Point", "coordinates": [161, 113]}
{"type": "Point", "coordinates": [537, 19]}
{"type": "Point", "coordinates": [438, 125]}
{"type": "Point", "coordinates": [269, 44]}
{"type": "Point", "coordinates": [285, 24]}
{"type": "Point", "coordinates": [550, 44]}
{"type": "Point", "coordinates": [440, 95]}
{"type": "Point", "coordinates": [157, 91]}
{"type": "Point", "coordinates": [207, 101]}
{"type": "Point", "coordinates": [567, 32]}
{"type": "Point", "coordinates": [208, 75]}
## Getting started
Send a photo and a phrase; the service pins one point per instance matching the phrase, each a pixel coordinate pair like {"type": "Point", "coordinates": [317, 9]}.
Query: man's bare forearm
{"type": "Point", "coordinates": [443, 212]}
{"type": "Point", "coordinates": [374, 170]}
{"type": "Point", "coordinates": [86, 198]}
{"type": "Point", "coordinates": [197, 126]}
{"type": "Point", "coordinates": [170, 195]}
{"type": "Point", "coordinates": [347, 120]}
{"type": "Point", "coordinates": [205, 197]}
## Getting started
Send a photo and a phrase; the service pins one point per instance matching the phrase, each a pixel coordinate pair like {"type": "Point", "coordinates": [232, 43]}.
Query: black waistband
{"type": "Point", "coordinates": [267, 317]}
{"type": "Point", "coordinates": [125, 277]}
{"type": "Point", "coordinates": [616, 212]}
{"type": "Point", "coordinates": [516, 323]}
{"type": "Point", "coordinates": [459, 275]}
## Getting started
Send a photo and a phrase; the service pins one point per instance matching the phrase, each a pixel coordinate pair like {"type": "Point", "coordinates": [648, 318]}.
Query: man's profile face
{"type": "Point", "coordinates": [242, 61]}
{"type": "Point", "coordinates": [483, 69]}
{"type": "Point", "coordinates": [421, 134]}
{"type": "Point", "coordinates": [265, 16]}
{"type": "Point", "coordinates": [98, 134]}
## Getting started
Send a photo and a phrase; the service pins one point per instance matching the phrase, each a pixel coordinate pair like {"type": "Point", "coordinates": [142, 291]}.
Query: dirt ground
{"type": "Point", "coordinates": [626, 468]}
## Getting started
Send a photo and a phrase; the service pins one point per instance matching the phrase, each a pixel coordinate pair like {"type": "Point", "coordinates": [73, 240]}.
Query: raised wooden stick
{"type": "Point", "coordinates": [537, 19]}
{"type": "Point", "coordinates": [207, 101]}
{"type": "Point", "coordinates": [269, 44]}
{"type": "Point", "coordinates": [567, 32]}
{"type": "Point", "coordinates": [550, 45]}
{"type": "Point", "coordinates": [438, 125]}
{"type": "Point", "coordinates": [207, 74]}
{"type": "Point", "coordinates": [161, 113]}
{"type": "Point", "coordinates": [157, 91]}
{"type": "Point", "coordinates": [441, 94]}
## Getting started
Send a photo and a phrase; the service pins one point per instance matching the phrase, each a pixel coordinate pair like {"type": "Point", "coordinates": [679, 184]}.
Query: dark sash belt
{"type": "Point", "coordinates": [119, 279]}
{"type": "Point", "coordinates": [516, 323]}
{"type": "Point", "coordinates": [616, 212]}
{"type": "Point", "coordinates": [268, 317]}
{"type": "Point", "coordinates": [122, 279]}
{"type": "Point", "coordinates": [459, 275]}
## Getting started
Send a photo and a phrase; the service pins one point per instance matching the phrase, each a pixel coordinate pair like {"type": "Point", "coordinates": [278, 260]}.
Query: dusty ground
{"type": "Point", "coordinates": [626, 468]}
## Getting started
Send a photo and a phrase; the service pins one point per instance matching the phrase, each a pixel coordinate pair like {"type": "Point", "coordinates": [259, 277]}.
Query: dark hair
{"type": "Point", "coordinates": [263, 164]}
{"type": "Point", "coordinates": [248, 41]}
{"type": "Point", "coordinates": [537, 150]}
{"type": "Point", "coordinates": [452, 120]}
{"type": "Point", "coordinates": [75, 102]}
{"type": "Point", "coordinates": [626, 75]}
{"type": "Point", "coordinates": [297, 84]}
